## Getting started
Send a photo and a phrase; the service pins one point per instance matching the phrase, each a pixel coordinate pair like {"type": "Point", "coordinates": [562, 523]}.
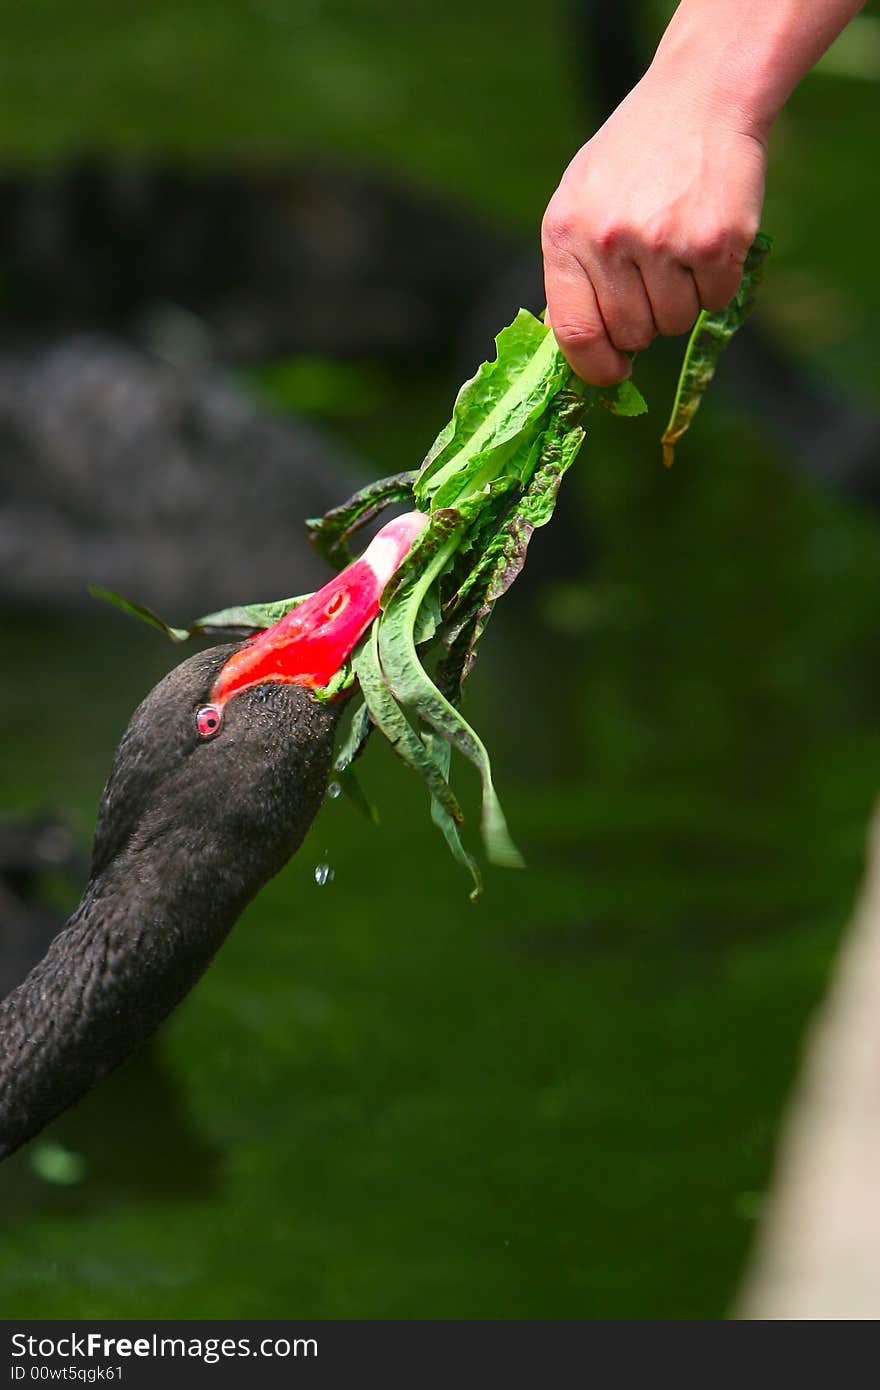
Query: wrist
{"type": "Point", "coordinates": [741, 59]}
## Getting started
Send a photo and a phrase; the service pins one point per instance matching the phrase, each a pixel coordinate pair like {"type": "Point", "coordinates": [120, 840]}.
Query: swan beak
{"type": "Point", "coordinates": [310, 644]}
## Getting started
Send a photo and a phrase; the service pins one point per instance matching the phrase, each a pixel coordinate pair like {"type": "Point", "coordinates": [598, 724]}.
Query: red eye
{"type": "Point", "coordinates": [336, 604]}
{"type": "Point", "coordinates": [208, 720]}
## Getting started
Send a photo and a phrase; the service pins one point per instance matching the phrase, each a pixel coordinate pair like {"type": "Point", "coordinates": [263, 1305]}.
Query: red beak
{"type": "Point", "coordinates": [310, 644]}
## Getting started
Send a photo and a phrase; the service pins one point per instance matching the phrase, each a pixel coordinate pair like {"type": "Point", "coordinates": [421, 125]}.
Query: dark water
{"type": "Point", "coordinates": [385, 1102]}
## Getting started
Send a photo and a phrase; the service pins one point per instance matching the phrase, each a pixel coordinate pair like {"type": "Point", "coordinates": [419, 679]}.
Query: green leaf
{"type": "Point", "coordinates": [355, 741]}
{"type": "Point", "coordinates": [356, 795]}
{"type": "Point", "coordinates": [390, 718]}
{"type": "Point", "coordinates": [139, 610]}
{"type": "Point", "coordinates": [428, 619]}
{"type": "Point", "coordinates": [359, 730]}
{"type": "Point", "coordinates": [495, 413]}
{"type": "Point", "coordinates": [241, 621]}
{"type": "Point", "coordinates": [501, 467]}
{"type": "Point", "coordinates": [339, 682]}
{"type": "Point", "coordinates": [331, 532]}
{"type": "Point", "coordinates": [503, 554]}
{"type": "Point", "coordinates": [443, 526]}
{"type": "Point", "coordinates": [624, 399]}
{"type": "Point", "coordinates": [441, 752]}
{"type": "Point", "coordinates": [246, 618]}
{"type": "Point", "coordinates": [412, 687]}
{"type": "Point", "coordinates": [712, 332]}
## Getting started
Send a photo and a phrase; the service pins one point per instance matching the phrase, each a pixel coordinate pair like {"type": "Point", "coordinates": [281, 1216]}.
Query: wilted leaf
{"type": "Point", "coordinates": [712, 332]}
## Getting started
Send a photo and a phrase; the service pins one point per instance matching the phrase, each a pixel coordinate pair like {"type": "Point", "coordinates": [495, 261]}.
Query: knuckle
{"type": "Point", "coordinates": [558, 232]}
{"type": "Point", "coordinates": [657, 238]}
{"type": "Point", "coordinates": [725, 244]}
{"type": "Point", "coordinates": [608, 236]}
{"type": "Point", "coordinates": [588, 349]}
{"type": "Point", "coordinates": [579, 336]}
{"type": "Point", "coordinates": [709, 244]}
{"type": "Point", "coordinates": [634, 339]}
{"type": "Point", "coordinates": [745, 231]}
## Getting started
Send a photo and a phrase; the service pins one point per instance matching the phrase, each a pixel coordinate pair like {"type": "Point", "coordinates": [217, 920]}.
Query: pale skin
{"type": "Point", "coordinates": [654, 215]}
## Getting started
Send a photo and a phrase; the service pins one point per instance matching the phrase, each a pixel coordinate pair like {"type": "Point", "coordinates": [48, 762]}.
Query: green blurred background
{"type": "Point", "coordinates": [562, 1102]}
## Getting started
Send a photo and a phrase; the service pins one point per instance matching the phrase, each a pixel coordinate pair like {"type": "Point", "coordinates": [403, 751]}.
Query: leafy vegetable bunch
{"type": "Point", "coordinates": [491, 478]}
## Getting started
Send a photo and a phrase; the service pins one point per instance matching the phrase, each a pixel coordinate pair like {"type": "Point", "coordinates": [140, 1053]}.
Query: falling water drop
{"type": "Point", "coordinates": [324, 874]}
{"type": "Point", "coordinates": [334, 790]}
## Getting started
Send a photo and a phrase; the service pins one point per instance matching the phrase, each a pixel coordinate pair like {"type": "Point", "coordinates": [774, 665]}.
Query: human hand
{"type": "Point", "coordinates": [650, 223]}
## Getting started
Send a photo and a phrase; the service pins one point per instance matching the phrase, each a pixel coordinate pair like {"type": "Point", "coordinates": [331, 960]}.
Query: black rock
{"type": "Point", "coordinates": [162, 481]}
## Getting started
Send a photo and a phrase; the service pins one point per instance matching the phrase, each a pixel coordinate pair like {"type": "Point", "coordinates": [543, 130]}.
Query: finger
{"type": "Point", "coordinates": [624, 304]}
{"type": "Point", "coordinates": [574, 315]}
{"type": "Point", "coordinates": [719, 279]}
{"type": "Point", "coordinates": [673, 295]}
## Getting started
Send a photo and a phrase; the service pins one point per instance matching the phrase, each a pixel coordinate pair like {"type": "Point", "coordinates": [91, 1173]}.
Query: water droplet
{"type": "Point", "coordinates": [334, 789]}
{"type": "Point", "coordinates": [324, 874]}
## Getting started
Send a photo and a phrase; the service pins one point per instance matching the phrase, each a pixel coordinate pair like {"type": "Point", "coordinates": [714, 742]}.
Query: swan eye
{"type": "Point", "coordinates": [208, 720]}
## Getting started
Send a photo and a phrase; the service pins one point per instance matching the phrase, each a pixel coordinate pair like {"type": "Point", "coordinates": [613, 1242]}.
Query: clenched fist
{"type": "Point", "coordinates": [653, 217]}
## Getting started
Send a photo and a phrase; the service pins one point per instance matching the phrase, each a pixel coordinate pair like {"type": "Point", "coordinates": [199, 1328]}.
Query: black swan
{"type": "Point", "coordinates": [215, 782]}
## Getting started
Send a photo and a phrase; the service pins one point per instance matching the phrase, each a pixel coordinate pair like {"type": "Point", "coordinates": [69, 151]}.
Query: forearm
{"type": "Point", "coordinates": [744, 57]}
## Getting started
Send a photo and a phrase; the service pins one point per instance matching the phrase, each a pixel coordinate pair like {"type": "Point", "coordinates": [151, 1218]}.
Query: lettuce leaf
{"type": "Point", "coordinates": [711, 334]}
